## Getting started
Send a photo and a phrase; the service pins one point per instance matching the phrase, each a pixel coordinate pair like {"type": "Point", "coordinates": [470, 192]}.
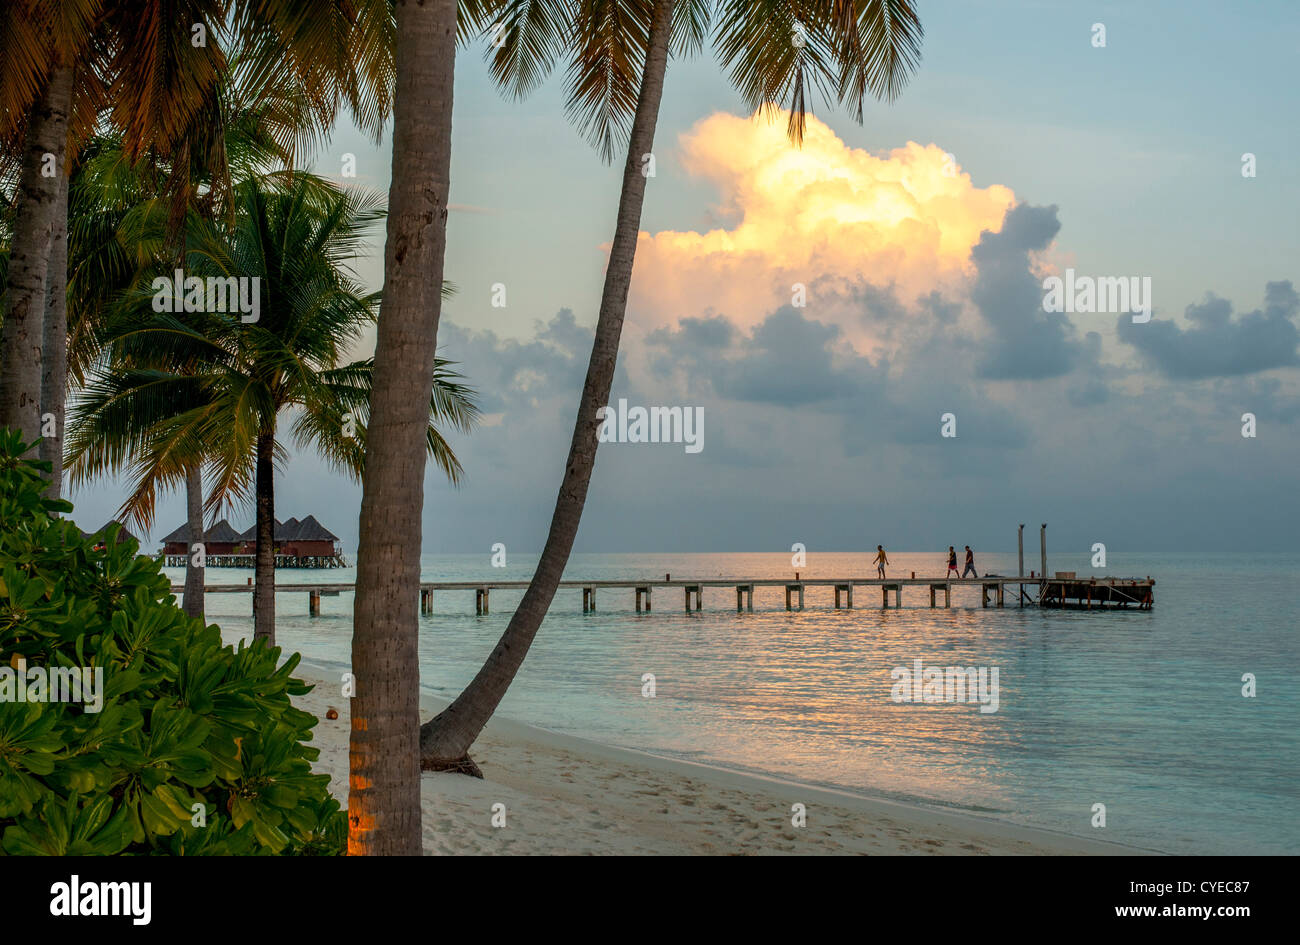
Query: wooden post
{"type": "Point", "coordinates": [801, 597]}
{"type": "Point", "coordinates": [426, 600]}
{"type": "Point", "coordinates": [788, 589]}
{"type": "Point", "coordinates": [739, 599]}
{"type": "Point", "coordinates": [931, 596]}
{"type": "Point", "coordinates": [313, 603]}
{"type": "Point", "coordinates": [481, 601]}
{"type": "Point", "coordinates": [848, 588]}
{"type": "Point", "coordinates": [1020, 572]}
{"type": "Point", "coordinates": [647, 598]}
{"type": "Point", "coordinates": [947, 594]}
{"type": "Point", "coordinates": [636, 593]}
{"type": "Point", "coordinates": [1042, 539]}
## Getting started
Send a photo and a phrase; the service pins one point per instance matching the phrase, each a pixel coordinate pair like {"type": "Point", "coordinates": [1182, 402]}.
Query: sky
{"type": "Point", "coordinates": [921, 239]}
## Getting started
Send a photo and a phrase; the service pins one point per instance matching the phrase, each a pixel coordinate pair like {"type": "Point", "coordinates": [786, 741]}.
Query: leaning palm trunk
{"type": "Point", "coordinates": [446, 739]}
{"type": "Point", "coordinates": [264, 561]}
{"type": "Point", "coordinates": [194, 570]}
{"type": "Point", "coordinates": [384, 785]}
{"type": "Point", "coordinates": [38, 195]}
{"type": "Point", "coordinates": [54, 379]}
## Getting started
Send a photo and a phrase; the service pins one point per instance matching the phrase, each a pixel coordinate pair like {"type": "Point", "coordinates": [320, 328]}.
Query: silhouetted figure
{"type": "Point", "coordinates": [881, 560]}
{"type": "Point", "coordinates": [970, 563]}
{"type": "Point", "coordinates": [952, 561]}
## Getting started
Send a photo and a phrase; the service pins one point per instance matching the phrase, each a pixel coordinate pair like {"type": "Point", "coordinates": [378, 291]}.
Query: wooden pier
{"type": "Point", "coordinates": [1063, 589]}
{"type": "Point", "coordinates": [249, 561]}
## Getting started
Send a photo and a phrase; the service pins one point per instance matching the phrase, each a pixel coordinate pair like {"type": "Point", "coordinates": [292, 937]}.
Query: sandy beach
{"type": "Point", "coordinates": [567, 795]}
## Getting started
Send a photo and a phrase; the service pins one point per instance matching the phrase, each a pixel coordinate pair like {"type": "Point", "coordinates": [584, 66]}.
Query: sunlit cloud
{"type": "Point", "coordinates": [826, 215]}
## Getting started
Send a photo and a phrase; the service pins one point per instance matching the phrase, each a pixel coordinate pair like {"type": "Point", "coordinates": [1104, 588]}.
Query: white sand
{"type": "Point", "coordinates": [568, 795]}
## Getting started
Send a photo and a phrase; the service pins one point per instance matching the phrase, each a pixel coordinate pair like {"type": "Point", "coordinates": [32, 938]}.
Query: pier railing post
{"type": "Point", "coordinates": [1042, 540]}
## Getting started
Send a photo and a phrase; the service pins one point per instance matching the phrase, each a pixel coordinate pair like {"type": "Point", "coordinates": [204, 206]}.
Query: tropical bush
{"type": "Point", "coordinates": [183, 720]}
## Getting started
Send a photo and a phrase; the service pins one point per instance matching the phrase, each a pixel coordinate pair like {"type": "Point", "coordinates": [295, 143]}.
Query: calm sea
{"type": "Point", "coordinates": [1142, 712]}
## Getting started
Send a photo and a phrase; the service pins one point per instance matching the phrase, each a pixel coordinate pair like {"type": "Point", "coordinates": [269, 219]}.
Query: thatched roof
{"type": "Point", "coordinates": [293, 530]}
{"type": "Point", "coordinates": [123, 534]}
{"type": "Point", "coordinates": [311, 530]}
{"type": "Point", "coordinates": [220, 532]}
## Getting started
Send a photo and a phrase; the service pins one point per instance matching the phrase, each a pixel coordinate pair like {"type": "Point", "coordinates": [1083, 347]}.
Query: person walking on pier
{"type": "Point", "coordinates": [970, 563]}
{"type": "Point", "coordinates": [952, 562]}
{"type": "Point", "coordinates": [881, 560]}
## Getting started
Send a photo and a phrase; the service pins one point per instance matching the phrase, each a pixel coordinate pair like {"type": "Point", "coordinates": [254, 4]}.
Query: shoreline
{"type": "Point", "coordinates": [564, 794]}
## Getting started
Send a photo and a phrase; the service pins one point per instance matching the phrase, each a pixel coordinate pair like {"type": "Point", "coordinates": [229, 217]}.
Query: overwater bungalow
{"type": "Point", "coordinates": [99, 535]}
{"type": "Point", "coordinates": [298, 544]}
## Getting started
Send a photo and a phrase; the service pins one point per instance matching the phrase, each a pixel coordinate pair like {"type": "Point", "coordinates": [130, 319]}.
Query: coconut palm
{"type": "Point", "coordinates": [151, 69]}
{"type": "Point", "coordinates": [775, 53]}
{"type": "Point", "coordinates": [65, 60]}
{"type": "Point", "coordinates": [209, 387]}
{"type": "Point", "coordinates": [384, 784]}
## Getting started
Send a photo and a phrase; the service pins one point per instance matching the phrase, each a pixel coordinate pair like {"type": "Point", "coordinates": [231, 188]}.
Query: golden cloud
{"type": "Point", "coordinates": [822, 215]}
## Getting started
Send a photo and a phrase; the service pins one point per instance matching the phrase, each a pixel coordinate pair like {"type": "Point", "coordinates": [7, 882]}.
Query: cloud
{"type": "Point", "coordinates": [1216, 345]}
{"type": "Point", "coordinates": [827, 216]}
{"type": "Point", "coordinates": [1027, 343]}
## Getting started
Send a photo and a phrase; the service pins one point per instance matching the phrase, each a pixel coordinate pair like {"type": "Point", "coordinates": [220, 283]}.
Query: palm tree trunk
{"type": "Point", "coordinates": [384, 795]}
{"type": "Point", "coordinates": [54, 380]}
{"type": "Point", "coordinates": [194, 575]}
{"type": "Point", "coordinates": [446, 739]}
{"type": "Point", "coordinates": [38, 195]}
{"type": "Point", "coordinates": [264, 562]}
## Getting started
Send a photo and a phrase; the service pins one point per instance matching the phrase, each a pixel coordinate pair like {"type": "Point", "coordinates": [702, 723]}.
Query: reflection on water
{"type": "Point", "coordinates": [1140, 711]}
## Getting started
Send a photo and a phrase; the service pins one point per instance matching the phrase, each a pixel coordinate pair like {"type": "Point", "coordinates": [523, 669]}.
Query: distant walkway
{"type": "Point", "coordinates": [1061, 590]}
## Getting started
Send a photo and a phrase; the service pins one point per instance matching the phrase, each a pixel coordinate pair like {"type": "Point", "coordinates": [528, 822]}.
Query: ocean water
{"type": "Point", "coordinates": [1140, 711]}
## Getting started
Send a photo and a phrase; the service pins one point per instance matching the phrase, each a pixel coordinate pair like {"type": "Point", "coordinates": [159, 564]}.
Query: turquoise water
{"type": "Point", "coordinates": [1140, 711]}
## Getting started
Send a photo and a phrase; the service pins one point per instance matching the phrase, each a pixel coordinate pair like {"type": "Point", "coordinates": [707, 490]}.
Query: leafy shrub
{"type": "Point", "coordinates": [184, 720]}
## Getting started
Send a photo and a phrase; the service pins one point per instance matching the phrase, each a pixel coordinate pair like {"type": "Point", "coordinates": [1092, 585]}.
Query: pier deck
{"type": "Point", "coordinates": [1061, 590]}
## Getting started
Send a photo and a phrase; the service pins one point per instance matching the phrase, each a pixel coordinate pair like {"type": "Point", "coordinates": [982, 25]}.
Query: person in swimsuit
{"type": "Point", "coordinates": [881, 560]}
{"type": "Point", "coordinates": [952, 561]}
{"type": "Point", "coordinates": [970, 563]}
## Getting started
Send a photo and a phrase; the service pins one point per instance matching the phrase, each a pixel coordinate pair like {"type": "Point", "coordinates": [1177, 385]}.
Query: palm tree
{"type": "Point", "coordinates": [211, 388]}
{"type": "Point", "coordinates": [384, 783]}
{"type": "Point", "coordinates": [64, 61]}
{"type": "Point", "coordinates": [158, 64]}
{"type": "Point", "coordinates": [774, 50]}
